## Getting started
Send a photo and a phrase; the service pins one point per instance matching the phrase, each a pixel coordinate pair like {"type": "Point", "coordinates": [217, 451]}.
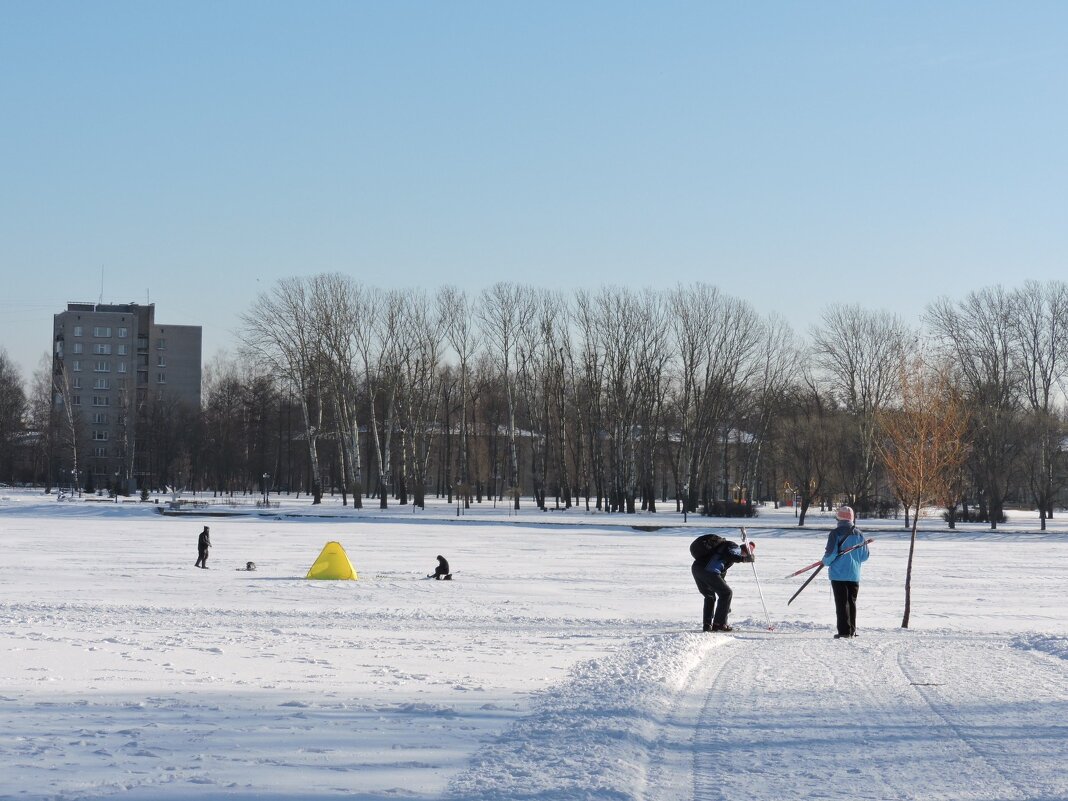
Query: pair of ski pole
{"type": "Point", "coordinates": [819, 566]}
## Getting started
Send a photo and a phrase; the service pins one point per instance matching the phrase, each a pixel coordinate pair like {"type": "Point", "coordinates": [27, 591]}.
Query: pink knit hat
{"type": "Point", "coordinates": [844, 513]}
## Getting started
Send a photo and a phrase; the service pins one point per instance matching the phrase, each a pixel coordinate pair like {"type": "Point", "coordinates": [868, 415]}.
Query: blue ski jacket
{"type": "Point", "coordinates": [847, 567]}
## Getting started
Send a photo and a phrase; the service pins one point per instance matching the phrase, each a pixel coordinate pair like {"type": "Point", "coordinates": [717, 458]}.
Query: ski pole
{"type": "Point", "coordinates": [805, 569]}
{"type": "Point", "coordinates": [760, 592]}
{"type": "Point", "coordinates": [821, 566]}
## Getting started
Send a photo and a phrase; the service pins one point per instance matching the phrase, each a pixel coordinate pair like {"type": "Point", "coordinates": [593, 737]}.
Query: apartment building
{"type": "Point", "coordinates": [112, 363]}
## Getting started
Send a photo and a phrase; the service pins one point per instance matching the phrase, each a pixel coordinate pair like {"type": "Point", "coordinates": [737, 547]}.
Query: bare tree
{"type": "Point", "coordinates": [280, 330]}
{"type": "Point", "coordinates": [377, 343]}
{"type": "Point", "coordinates": [420, 376]}
{"type": "Point", "coordinates": [921, 444]}
{"type": "Point", "coordinates": [858, 351]}
{"type": "Point", "coordinates": [342, 308]}
{"type": "Point", "coordinates": [505, 310]}
{"type": "Point", "coordinates": [715, 339]}
{"type": "Point", "coordinates": [806, 440]}
{"type": "Point", "coordinates": [1040, 323]}
{"type": "Point", "coordinates": [456, 316]}
{"type": "Point", "coordinates": [12, 412]}
{"type": "Point", "coordinates": [978, 336]}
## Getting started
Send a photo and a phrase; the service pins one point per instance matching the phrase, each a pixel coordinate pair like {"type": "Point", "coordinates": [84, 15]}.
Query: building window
{"type": "Point", "coordinates": [76, 347]}
{"type": "Point", "coordinates": [102, 367]}
{"type": "Point", "coordinates": [161, 344]}
{"type": "Point", "coordinates": [122, 367]}
{"type": "Point", "coordinates": [101, 400]}
{"type": "Point", "coordinates": [100, 418]}
{"type": "Point", "coordinates": [76, 400]}
{"type": "Point", "coordinates": [76, 366]}
{"type": "Point", "coordinates": [77, 330]}
{"type": "Point", "coordinates": [123, 333]}
{"type": "Point", "coordinates": [77, 382]}
{"type": "Point", "coordinates": [101, 331]}
{"type": "Point", "coordinates": [102, 349]}
{"type": "Point", "coordinates": [100, 436]}
{"type": "Point", "coordinates": [161, 378]}
{"type": "Point", "coordinates": [124, 350]}
{"type": "Point", "coordinates": [100, 452]}
{"type": "Point", "coordinates": [161, 361]}
{"type": "Point", "coordinates": [102, 383]}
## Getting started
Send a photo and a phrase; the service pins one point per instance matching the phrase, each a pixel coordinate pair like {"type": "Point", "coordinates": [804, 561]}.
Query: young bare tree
{"type": "Point", "coordinates": [67, 403]}
{"type": "Point", "coordinates": [922, 444]}
{"type": "Point", "coordinates": [857, 351]}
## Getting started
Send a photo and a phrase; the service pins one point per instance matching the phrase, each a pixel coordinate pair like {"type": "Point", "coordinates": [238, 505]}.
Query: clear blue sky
{"type": "Point", "coordinates": [794, 153]}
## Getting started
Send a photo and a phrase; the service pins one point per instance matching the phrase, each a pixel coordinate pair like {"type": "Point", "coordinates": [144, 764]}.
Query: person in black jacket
{"type": "Point", "coordinates": [709, 577]}
{"type": "Point", "coordinates": [442, 570]}
{"type": "Point", "coordinates": [203, 543]}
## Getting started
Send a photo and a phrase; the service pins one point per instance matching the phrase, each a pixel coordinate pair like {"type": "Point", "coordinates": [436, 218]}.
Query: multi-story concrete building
{"type": "Point", "coordinates": [112, 363]}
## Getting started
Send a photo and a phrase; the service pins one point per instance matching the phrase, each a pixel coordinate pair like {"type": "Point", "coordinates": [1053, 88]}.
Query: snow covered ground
{"type": "Point", "coordinates": [563, 662]}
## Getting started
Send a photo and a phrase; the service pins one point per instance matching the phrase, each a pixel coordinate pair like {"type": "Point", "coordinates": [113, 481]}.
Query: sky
{"type": "Point", "coordinates": [795, 154]}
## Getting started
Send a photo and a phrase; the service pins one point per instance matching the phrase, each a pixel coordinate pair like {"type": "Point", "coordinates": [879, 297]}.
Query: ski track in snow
{"type": "Point", "coordinates": [889, 715]}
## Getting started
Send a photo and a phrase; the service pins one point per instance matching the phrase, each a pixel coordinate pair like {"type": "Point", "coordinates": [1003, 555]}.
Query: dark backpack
{"type": "Point", "coordinates": [708, 545]}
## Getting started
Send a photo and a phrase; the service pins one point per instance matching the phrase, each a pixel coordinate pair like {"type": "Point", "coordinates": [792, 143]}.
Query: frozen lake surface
{"type": "Point", "coordinates": [563, 662]}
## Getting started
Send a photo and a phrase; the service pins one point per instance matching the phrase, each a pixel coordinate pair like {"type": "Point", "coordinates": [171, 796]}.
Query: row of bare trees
{"type": "Point", "coordinates": [617, 399]}
{"type": "Point", "coordinates": [624, 397]}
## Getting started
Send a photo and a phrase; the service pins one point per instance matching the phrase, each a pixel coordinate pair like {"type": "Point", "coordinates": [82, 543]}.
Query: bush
{"type": "Point", "coordinates": [973, 515]}
{"type": "Point", "coordinates": [728, 509]}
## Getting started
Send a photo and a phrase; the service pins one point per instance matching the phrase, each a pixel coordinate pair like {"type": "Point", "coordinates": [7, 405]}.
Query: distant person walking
{"type": "Point", "coordinates": [844, 570]}
{"type": "Point", "coordinates": [203, 543]}
{"type": "Point", "coordinates": [713, 556]}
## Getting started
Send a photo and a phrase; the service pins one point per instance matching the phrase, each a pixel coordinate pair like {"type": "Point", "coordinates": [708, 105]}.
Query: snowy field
{"type": "Point", "coordinates": [563, 662]}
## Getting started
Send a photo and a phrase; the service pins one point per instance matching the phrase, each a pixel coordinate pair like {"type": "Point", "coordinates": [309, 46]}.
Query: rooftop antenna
{"type": "Point", "coordinates": [101, 284]}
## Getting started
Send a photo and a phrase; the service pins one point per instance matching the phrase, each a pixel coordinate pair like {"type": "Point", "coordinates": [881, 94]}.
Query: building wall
{"type": "Point", "coordinates": [114, 358]}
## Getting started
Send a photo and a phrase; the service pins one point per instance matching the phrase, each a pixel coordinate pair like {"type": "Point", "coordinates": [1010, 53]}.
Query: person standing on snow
{"type": "Point", "coordinates": [203, 543]}
{"type": "Point", "coordinates": [844, 570]}
{"type": "Point", "coordinates": [709, 574]}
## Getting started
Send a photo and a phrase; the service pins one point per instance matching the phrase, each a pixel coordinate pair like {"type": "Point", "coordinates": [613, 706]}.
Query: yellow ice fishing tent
{"type": "Point", "coordinates": [332, 563]}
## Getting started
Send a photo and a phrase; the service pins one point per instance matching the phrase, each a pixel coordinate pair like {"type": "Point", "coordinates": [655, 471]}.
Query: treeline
{"type": "Point", "coordinates": [615, 399]}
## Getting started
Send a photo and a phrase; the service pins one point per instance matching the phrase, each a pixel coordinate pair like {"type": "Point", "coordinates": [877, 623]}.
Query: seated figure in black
{"type": "Point", "coordinates": [442, 570]}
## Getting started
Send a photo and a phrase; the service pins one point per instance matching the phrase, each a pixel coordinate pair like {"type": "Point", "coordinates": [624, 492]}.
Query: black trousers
{"type": "Point", "coordinates": [202, 558]}
{"type": "Point", "coordinates": [712, 586]}
{"type": "Point", "coordinates": [845, 606]}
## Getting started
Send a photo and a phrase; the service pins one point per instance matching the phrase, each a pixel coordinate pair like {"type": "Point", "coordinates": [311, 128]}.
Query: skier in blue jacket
{"type": "Point", "coordinates": [844, 570]}
{"type": "Point", "coordinates": [709, 575]}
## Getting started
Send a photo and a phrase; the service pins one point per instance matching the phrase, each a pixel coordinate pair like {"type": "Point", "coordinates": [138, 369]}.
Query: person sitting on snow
{"type": "Point", "coordinates": [442, 570]}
